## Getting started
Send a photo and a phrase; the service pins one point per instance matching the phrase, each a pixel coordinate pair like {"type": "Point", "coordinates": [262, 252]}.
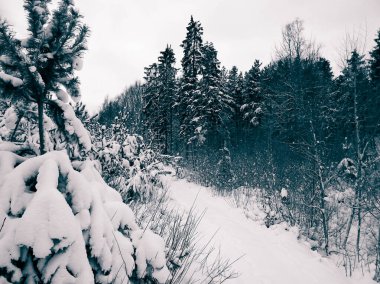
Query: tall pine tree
{"type": "Point", "coordinates": [375, 84]}
{"type": "Point", "coordinates": [214, 106]}
{"type": "Point", "coordinates": [159, 93]}
{"type": "Point", "coordinates": [234, 88]}
{"type": "Point", "coordinates": [151, 100]}
{"type": "Point", "coordinates": [252, 96]}
{"type": "Point", "coordinates": [191, 71]}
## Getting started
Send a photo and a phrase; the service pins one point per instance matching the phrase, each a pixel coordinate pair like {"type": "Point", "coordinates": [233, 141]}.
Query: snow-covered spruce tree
{"type": "Point", "coordinates": [39, 71]}
{"type": "Point", "coordinates": [159, 92]}
{"type": "Point", "coordinates": [214, 107]}
{"type": "Point", "coordinates": [167, 89]}
{"type": "Point", "coordinates": [189, 84]}
{"type": "Point", "coordinates": [235, 85]}
{"type": "Point", "coordinates": [150, 95]}
{"type": "Point", "coordinates": [252, 98]}
{"type": "Point", "coordinates": [374, 99]}
{"type": "Point", "coordinates": [234, 88]}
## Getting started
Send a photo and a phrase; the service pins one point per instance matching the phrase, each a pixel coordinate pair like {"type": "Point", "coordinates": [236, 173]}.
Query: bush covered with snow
{"type": "Point", "coordinates": [63, 224]}
{"type": "Point", "coordinates": [127, 163]}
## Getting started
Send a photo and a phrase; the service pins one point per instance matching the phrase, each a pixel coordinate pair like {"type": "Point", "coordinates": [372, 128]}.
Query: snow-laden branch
{"type": "Point", "coordinates": [65, 225]}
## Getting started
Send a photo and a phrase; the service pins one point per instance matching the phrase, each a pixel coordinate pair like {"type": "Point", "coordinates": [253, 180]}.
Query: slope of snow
{"type": "Point", "coordinates": [270, 256]}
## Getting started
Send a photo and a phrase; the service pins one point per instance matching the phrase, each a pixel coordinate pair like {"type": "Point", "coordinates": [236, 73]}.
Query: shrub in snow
{"type": "Point", "coordinates": [127, 164]}
{"type": "Point", "coordinates": [63, 224]}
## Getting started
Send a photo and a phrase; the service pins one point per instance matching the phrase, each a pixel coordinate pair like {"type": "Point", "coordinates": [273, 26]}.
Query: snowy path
{"type": "Point", "coordinates": [272, 256]}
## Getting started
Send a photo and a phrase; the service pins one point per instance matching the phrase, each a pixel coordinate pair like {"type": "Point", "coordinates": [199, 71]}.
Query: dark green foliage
{"type": "Point", "coordinates": [126, 108]}
{"type": "Point", "coordinates": [234, 88]}
{"type": "Point", "coordinates": [191, 69]}
{"type": "Point", "coordinates": [374, 97]}
{"type": "Point", "coordinates": [192, 54]}
{"type": "Point", "coordinates": [354, 86]}
{"type": "Point", "coordinates": [81, 112]}
{"type": "Point", "coordinates": [375, 61]}
{"type": "Point", "coordinates": [159, 94]}
{"type": "Point", "coordinates": [252, 108]}
{"type": "Point", "coordinates": [213, 107]}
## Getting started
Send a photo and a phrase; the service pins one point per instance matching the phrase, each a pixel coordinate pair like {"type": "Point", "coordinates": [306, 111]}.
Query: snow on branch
{"type": "Point", "coordinates": [65, 225]}
{"type": "Point", "coordinates": [14, 81]}
{"type": "Point", "coordinates": [74, 126]}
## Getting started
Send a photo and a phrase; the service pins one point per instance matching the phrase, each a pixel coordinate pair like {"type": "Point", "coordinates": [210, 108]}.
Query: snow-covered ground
{"type": "Point", "coordinates": [271, 256]}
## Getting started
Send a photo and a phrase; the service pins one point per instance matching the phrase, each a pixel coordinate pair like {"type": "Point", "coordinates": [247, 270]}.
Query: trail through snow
{"type": "Point", "coordinates": [271, 256]}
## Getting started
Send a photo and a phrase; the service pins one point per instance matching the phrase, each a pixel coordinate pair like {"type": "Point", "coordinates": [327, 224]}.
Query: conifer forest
{"type": "Point", "coordinates": [195, 173]}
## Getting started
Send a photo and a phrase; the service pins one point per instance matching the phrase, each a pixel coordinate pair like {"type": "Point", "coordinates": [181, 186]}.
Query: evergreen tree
{"type": "Point", "coordinates": [167, 90]}
{"type": "Point", "coordinates": [375, 61]}
{"type": "Point", "coordinates": [235, 81]}
{"type": "Point", "coordinates": [42, 67]}
{"type": "Point", "coordinates": [234, 88]}
{"type": "Point", "coordinates": [355, 95]}
{"type": "Point", "coordinates": [159, 92]}
{"type": "Point", "coordinates": [375, 82]}
{"type": "Point", "coordinates": [150, 98]}
{"type": "Point", "coordinates": [213, 106]}
{"type": "Point", "coordinates": [252, 108]}
{"type": "Point", "coordinates": [191, 71]}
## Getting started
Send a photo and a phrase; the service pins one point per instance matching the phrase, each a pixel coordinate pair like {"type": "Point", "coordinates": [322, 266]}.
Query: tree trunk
{"type": "Point", "coordinates": [171, 130]}
{"type": "Point", "coordinates": [323, 209]}
{"type": "Point", "coordinates": [321, 182]}
{"type": "Point", "coordinates": [41, 125]}
{"type": "Point", "coordinates": [377, 268]}
{"type": "Point", "coordinates": [349, 225]}
{"type": "Point", "coordinates": [358, 189]}
{"type": "Point", "coordinates": [166, 146]}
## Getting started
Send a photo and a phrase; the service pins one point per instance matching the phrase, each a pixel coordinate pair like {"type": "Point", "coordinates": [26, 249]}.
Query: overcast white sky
{"type": "Point", "coordinates": [128, 35]}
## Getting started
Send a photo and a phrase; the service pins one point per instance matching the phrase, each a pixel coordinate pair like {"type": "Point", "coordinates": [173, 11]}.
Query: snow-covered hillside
{"type": "Point", "coordinates": [270, 255]}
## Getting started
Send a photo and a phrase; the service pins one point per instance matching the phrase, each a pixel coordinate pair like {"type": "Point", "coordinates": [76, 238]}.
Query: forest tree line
{"type": "Point", "coordinates": [290, 125]}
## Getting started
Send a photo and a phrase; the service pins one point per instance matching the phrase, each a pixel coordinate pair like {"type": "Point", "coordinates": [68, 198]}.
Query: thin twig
{"type": "Point", "coordinates": [2, 225]}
